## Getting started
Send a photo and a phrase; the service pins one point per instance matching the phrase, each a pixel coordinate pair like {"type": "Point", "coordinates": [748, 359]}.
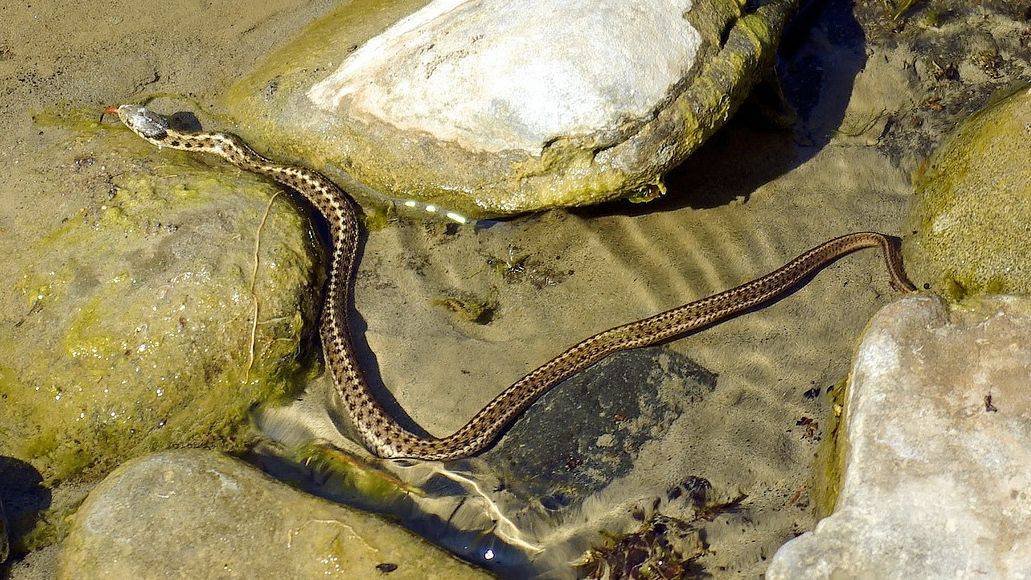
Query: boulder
{"type": "Point", "coordinates": [129, 321]}
{"type": "Point", "coordinates": [971, 216]}
{"type": "Point", "coordinates": [200, 514]}
{"type": "Point", "coordinates": [497, 107]}
{"type": "Point", "coordinates": [937, 480]}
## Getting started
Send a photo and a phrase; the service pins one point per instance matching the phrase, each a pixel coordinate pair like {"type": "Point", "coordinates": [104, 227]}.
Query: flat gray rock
{"type": "Point", "coordinates": [590, 431]}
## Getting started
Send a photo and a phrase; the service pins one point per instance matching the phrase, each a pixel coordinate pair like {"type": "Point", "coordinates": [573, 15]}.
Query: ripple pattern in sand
{"type": "Point", "coordinates": [558, 277]}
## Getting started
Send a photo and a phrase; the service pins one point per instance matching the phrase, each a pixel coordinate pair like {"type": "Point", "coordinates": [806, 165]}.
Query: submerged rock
{"type": "Point", "coordinates": [938, 468]}
{"type": "Point", "coordinates": [590, 432]}
{"type": "Point", "coordinates": [972, 211]}
{"type": "Point", "coordinates": [499, 107]}
{"type": "Point", "coordinates": [201, 514]}
{"type": "Point", "coordinates": [127, 326]}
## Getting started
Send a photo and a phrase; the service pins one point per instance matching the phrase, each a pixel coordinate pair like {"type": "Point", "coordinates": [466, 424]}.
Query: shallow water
{"type": "Point", "coordinates": [750, 200]}
{"type": "Point", "coordinates": [743, 436]}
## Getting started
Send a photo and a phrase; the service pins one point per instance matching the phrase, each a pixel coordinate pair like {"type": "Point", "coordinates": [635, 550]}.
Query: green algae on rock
{"type": "Point", "coordinates": [189, 513]}
{"type": "Point", "coordinates": [971, 217]}
{"type": "Point", "coordinates": [429, 110]}
{"type": "Point", "coordinates": [130, 323]}
{"type": "Point", "coordinates": [830, 455]}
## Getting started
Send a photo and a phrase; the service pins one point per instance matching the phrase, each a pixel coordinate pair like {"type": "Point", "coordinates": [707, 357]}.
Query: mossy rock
{"type": "Point", "coordinates": [128, 324]}
{"type": "Point", "coordinates": [200, 514]}
{"type": "Point", "coordinates": [494, 108]}
{"type": "Point", "coordinates": [971, 216]}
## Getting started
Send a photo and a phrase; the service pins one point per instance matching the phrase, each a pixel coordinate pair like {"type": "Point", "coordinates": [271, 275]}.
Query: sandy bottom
{"type": "Point", "coordinates": [753, 198]}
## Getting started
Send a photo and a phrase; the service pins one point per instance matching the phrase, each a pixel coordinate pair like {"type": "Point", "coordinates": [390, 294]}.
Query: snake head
{"type": "Point", "coordinates": [142, 121]}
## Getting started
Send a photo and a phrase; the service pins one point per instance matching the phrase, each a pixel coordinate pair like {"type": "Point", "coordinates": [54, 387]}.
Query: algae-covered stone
{"type": "Point", "coordinates": [972, 211]}
{"type": "Point", "coordinates": [498, 107]}
{"type": "Point", "coordinates": [129, 321]}
{"type": "Point", "coordinates": [199, 514]}
{"type": "Point", "coordinates": [937, 479]}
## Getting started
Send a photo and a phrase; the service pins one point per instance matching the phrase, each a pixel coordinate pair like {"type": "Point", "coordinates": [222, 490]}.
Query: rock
{"type": "Point", "coordinates": [127, 324]}
{"type": "Point", "coordinates": [972, 211]}
{"type": "Point", "coordinates": [937, 479]}
{"type": "Point", "coordinates": [200, 514]}
{"type": "Point", "coordinates": [590, 432]}
{"type": "Point", "coordinates": [494, 107]}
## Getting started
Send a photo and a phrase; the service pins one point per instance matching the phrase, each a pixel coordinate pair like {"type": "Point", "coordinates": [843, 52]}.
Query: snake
{"type": "Point", "coordinates": [381, 433]}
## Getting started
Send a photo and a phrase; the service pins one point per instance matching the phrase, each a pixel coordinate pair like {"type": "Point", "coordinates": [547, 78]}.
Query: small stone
{"type": "Point", "coordinates": [198, 514]}
{"type": "Point", "coordinates": [570, 438]}
{"type": "Point", "coordinates": [935, 484]}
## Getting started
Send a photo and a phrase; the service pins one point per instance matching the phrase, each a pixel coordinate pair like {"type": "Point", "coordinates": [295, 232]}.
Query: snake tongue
{"type": "Point", "coordinates": [111, 110]}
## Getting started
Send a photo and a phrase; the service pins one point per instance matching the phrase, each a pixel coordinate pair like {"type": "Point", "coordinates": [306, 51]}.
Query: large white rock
{"type": "Point", "coordinates": [500, 106]}
{"type": "Point", "coordinates": [938, 469]}
{"type": "Point", "coordinates": [493, 75]}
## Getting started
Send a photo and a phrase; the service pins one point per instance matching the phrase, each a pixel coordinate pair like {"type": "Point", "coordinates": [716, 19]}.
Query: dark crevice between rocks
{"type": "Point", "coordinates": [25, 501]}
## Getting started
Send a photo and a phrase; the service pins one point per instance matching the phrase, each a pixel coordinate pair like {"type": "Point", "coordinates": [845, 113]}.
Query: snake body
{"type": "Point", "coordinates": [380, 432]}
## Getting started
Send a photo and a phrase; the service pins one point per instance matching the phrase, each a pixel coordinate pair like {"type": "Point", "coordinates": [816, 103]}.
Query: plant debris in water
{"type": "Point", "coordinates": [896, 9]}
{"type": "Point", "coordinates": [469, 308]}
{"type": "Point", "coordinates": [517, 267]}
{"type": "Point", "coordinates": [663, 548]}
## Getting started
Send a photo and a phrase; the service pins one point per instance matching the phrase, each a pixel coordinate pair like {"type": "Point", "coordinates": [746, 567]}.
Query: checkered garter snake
{"type": "Point", "coordinates": [378, 430]}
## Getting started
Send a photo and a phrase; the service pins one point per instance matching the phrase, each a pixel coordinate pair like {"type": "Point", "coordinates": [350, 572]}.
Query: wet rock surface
{"type": "Point", "coordinates": [937, 469]}
{"type": "Point", "coordinates": [203, 515]}
{"type": "Point", "coordinates": [594, 426]}
{"type": "Point", "coordinates": [972, 211]}
{"type": "Point", "coordinates": [494, 108]}
{"type": "Point", "coordinates": [135, 319]}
